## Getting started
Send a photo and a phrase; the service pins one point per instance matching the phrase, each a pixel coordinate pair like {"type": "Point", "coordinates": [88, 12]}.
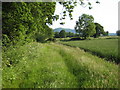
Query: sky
{"type": "Point", "coordinates": [105, 13]}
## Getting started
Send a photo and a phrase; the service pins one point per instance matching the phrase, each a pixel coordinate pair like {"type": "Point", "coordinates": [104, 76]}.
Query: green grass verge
{"type": "Point", "coordinates": [105, 48]}
{"type": "Point", "coordinates": [37, 65]}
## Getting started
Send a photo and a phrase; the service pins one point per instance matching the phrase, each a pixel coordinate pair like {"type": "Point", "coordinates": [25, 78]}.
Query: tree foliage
{"type": "Point", "coordinates": [85, 26]}
{"type": "Point", "coordinates": [27, 21]}
{"type": "Point", "coordinates": [66, 34]}
{"type": "Point", "coordinates": [56, 35]}
{"type": "Point", "coordinates": [99, 30]}
{"type": "Point", "coordinates": [68, 6]}
{"type": "Point", "coordinates": [70, 34]}
{"type": "Point", "coordinates": [106, 33]}
{"type": "Point", "coordinates": [62, 34]}
{"type": "Point", "coordinates": [23, 21]}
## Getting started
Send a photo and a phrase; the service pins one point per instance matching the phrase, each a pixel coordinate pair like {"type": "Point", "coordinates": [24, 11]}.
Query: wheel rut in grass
{"type": "Point", "coordinates": [57, 66]}
{"type": "Point", "coordinates": [89, 70]}
{"type": "Point", "coordinates": [80, 72]}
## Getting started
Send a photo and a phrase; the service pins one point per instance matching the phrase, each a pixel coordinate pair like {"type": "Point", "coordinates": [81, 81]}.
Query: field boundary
{"type": "Point", "coordinates": [116, 60]}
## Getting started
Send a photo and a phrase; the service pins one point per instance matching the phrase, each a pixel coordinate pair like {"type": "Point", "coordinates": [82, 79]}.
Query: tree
{"type": "Point", "coordinates": [85, 26]}
{"type": "Point", "coordinates": [47, 34]}
{"type": "Point", "coordinates": [99, 30]}
{"type": "Point", "coordinates": [68, 7]}
{"type": "Point", "coordinates": [69, 34]}
{"type": "Point", "coordinates": [118, 33]}
{"type": "Point", "coordinates": [24, 21]}
{"type": "Point", "coordinates": [62, 34]}
{"type": "Point", "coordinates": [56, 35]}
{"type": "Point", "coordinates": [106, 33]}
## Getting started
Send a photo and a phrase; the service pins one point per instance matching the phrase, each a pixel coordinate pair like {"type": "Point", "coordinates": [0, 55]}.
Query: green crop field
{"type": "Point", "coordinates": [105, 48]}
{"type": "Point", "coordinates": [51, 65]}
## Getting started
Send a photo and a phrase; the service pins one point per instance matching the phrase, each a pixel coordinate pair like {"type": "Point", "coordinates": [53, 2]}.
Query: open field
{"type": "Point", "coordinates": [51, 45]}
{"type": "Point", "coordinates": [51, 65]}
{"type": "Point", "coordinates": [105, 48]}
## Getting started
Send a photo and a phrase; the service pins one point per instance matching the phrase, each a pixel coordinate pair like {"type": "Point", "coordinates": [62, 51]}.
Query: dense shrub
{"type": "Point", "coordinates": [26, 21]}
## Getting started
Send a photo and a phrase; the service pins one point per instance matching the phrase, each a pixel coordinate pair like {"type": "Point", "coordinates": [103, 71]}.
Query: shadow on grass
{"type": "Point", "coordinates": [72, 39]}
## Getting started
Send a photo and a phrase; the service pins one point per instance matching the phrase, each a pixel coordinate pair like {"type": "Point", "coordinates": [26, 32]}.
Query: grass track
{"type": "Point", "coordinates": [53, 65]}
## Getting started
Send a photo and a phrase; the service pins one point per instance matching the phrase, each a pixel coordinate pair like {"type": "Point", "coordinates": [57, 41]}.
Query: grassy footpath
{"type": "Point", "coordinates": [106, 48]}
{"type": "Point", "coordinates": [37, 65]}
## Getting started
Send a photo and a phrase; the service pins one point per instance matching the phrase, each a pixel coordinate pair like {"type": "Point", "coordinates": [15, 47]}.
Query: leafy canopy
{"type": "Point", "coordinates": [62, 34]}
{"type": "Point", "coordinates": [28, 21]}
{"type": "Point", "coordinates": [25, 21]}
{"type": "Point", "coordinates": [99, 30]}
{"type": "Point", "coordinates": [85, 26]}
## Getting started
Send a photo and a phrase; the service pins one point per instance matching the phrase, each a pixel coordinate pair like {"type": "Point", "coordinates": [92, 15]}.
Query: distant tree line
{"type": "Point", "coordinates": [63, 34]}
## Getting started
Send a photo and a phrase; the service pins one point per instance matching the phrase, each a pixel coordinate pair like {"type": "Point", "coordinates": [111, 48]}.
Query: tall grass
{"type": "Point", "coordinates": [37, 65]}
{"type": "Point", "coordinates": [105, 48]}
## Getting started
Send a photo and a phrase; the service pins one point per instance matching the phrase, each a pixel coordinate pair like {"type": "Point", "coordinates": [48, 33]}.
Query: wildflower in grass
{"type": "Point", "coordinates": [56, 72]}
